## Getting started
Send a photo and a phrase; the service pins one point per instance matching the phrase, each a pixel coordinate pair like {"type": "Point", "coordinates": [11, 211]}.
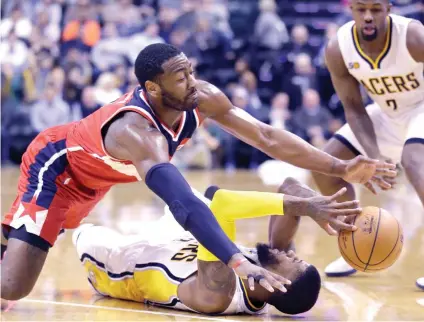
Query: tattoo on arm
{"type": "Point", "coordinates": [295, 188]}
{"type": "Point", "coordinates": [216, 277]}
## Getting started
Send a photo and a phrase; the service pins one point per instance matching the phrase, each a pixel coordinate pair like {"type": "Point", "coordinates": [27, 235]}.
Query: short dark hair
{"type": "Point", "coordinates": [301, 295]}
{"type": "Point", "coordinates": [148, 64]}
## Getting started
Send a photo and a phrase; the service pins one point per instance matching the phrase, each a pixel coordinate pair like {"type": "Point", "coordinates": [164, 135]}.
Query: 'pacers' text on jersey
{"type": "Point", "coordinates": [394, 80]}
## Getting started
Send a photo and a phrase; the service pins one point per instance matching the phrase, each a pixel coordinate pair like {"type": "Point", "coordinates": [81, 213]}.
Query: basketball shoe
{"type": "Point", "coordinates": [339, 268]}
{"type": "Point", "coordinates": [420, 283]}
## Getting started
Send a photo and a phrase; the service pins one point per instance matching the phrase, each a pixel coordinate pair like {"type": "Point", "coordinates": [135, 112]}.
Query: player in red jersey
{"type": "Point", "coordinates": [67, 169]}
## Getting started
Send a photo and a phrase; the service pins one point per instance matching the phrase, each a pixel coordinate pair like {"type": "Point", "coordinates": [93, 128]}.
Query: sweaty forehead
{"type": "Point", "coordinates": [176, 64]}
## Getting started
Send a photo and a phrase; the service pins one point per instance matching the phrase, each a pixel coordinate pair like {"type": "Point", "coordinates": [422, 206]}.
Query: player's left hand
{"type": "Point", "coordinates": [366, 171]}
{"type": "Point", "coordinates": [391, 180]}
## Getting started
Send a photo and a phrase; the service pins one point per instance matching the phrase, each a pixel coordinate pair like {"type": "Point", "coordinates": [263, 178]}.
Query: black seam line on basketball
{"type": "Point", "coordinates": [391, 250]}
{"type": "Point", "coordinates": [349, 261]}
{"type": "Point", "coordinates": [375, 237]}
{"type": "Point", "coordinates": [353, 242]}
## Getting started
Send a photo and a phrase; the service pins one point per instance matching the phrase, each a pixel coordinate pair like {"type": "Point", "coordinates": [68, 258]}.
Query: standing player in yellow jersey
{"type": "Point", "coordinates": [385, 54]}
{"type": "Point", "coordinates": [164, 269]}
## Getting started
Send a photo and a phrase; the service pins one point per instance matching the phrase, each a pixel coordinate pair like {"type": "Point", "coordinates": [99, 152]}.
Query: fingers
{"type": "Point", "coordinates": [275, 281]}
{"type": "Point", "coordinates": [264, 283]}
{"type": "Point", "coordinates": [330, 230]}
{"type": "Point", "coordinates": [346, 204]}
{"type": "Point", "coordinates": [344, 212]}
{"type": "Point", "coordinates": [349, 219]}
{"type": "Point", "coordinates": [340, 225]}
{"type": "Point", "coordinates": [338, 194]}
{"type": "Point", "coordinates": [370, 187]}
{"type": "Point", "coordinates": [385, 165]}
{"type": "Point", "coordinates": [386, 172]}
{"type": "Point", "coordinates": [381, 183]}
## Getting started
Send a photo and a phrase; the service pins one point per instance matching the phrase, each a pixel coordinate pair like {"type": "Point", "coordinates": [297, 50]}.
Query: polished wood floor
{"type": "Point", "coordinates": [62, 292]}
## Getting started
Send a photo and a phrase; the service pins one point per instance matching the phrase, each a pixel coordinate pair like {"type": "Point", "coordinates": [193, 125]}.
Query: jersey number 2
{"type": "Point", "coordinates": [392, 104]}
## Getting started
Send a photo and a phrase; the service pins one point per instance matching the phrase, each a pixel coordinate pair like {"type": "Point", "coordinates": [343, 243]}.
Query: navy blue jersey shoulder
{"type": "Point", "coordinates": [188, 123]}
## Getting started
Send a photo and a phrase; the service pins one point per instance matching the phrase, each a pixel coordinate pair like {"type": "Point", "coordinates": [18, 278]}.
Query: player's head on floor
{"type": "Point", "coordinates": [303, 293]}
{"type": "Point", "coordinates": [370, 17]}
{"type": "Point", "coordinates": [167, 75]}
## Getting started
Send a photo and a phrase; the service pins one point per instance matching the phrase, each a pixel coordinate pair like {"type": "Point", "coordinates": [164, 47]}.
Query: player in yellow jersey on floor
{"type": "Point", "coordinates": [172, 269]}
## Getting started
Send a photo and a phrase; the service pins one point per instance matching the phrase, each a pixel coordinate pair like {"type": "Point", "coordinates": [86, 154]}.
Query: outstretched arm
{"type": "Point", "coordinates": [283, 145]}
{"type": "Point", "coordinates": [133, 138]}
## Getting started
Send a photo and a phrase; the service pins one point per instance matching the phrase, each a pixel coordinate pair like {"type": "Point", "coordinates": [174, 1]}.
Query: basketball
{"type": "Point", "coordinates": [376, 244]}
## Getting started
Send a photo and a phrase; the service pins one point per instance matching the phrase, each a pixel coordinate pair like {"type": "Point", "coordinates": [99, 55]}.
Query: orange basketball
{"type": "Point", "coordinates": [376, 244]}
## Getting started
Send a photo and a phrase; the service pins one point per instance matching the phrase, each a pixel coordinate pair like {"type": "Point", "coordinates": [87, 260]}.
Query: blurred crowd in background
{"type": "Point", "coordinates": [63, 59]}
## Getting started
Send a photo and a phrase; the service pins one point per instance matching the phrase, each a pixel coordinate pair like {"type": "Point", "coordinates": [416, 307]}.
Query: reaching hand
{"type": "Point", "coordinates": [367, 171]}
{"type": "Point", "coordinates": [324, 210]}
{"type": "Point", "coordinates": [265, 278]}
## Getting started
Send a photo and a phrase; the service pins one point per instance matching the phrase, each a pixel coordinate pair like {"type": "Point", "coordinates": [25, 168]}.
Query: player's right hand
{"type": "Point", "coordinates": [263, 277]}
{"type": "Point", "coordinates": [326, 212]}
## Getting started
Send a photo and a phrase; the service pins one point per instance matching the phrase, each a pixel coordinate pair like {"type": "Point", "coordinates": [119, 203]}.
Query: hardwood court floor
{"type": "Point", "coordinates": [62, 292]}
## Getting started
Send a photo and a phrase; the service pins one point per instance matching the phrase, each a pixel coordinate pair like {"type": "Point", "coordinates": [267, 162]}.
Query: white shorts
{"type": "Point", "coordinates": [392, 132]}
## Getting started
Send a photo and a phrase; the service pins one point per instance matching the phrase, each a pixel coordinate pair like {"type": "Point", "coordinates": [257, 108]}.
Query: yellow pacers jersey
{"type": "Point", "coordinates": [147, 267]}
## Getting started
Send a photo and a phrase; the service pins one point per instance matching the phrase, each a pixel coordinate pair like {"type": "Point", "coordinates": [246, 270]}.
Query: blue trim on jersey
{"type": "Point", "coordinates": [127, 273]}
{"type": "Point", "coordinates": [414, 140]}
{"type": "Point", "coordinates": [167, 271]}
{"type": "Point", "coordinates": [173, 303]}
{"type": "Point", "coordinates": [49, 188]}
{"type": "Point", "coordinates": [189, 127]}
{"type": "Point", "coordinates": [349, 145]}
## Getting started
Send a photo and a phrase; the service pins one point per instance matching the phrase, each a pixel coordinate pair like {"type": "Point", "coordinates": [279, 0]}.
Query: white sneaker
{"type": "Point", "coordinates": [420, 283]}
{"type": "Point", "coordinates": [78, 231]}
{"type": "Point", "coordinates": [339, 268]}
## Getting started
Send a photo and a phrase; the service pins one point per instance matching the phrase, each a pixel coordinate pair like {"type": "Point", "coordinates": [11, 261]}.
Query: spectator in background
{"type": "Point", "coordinates": [230, 144]}
{"type": "Point", "coordinates": [50, 110]}
{"type": "Point", "coordinates": [52, 9]}
{"type": "Point", "coordinates": [218, 12]}
{"type": "Point", "coordinates": [82, 30]}
{"type": "Point", "coordinates": [299, 42]}
{"type": "Point", "coordinates": [110, 50]}
{"type": "Point", "coordinates": [302, 78]}
{"type": "Point", "coordinates": [49, 32]}
{"type": "Point", "coordinates": [44, 66]}
{"type": "Point", "coordinates": [106, 89]}
{"type": "Point", "coordinates": [120, 11]}
{"type": "Point", "coordinates": [324, 84]}
{"type": "Point", "coordinates": [270, 31]}
{"type": "Point", "coordinates": [167, 16]}
{"type": "Point", "coordinates": [13, 51]}
{"type": "Point", "coordinates": [132, 81]}
{"type": "Point", "coordinates": [311, 121]}
{"type": "Point", "coordinates": [17, 23]}
{"type": "Point", "coordinates": [88, 101]}
{"type": "Point", "coordinates": [279, 114]}
{"type": "Point", "coordinates": [249, 82]}
{"type": "Point", "coordinates": [120, 72]}
{"type": "Point", "coordinates": [139, 41]}
{"type": "Point", "coordinates": [128, 17]}
{"type": "Point", "coordinates": [209, 43]}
